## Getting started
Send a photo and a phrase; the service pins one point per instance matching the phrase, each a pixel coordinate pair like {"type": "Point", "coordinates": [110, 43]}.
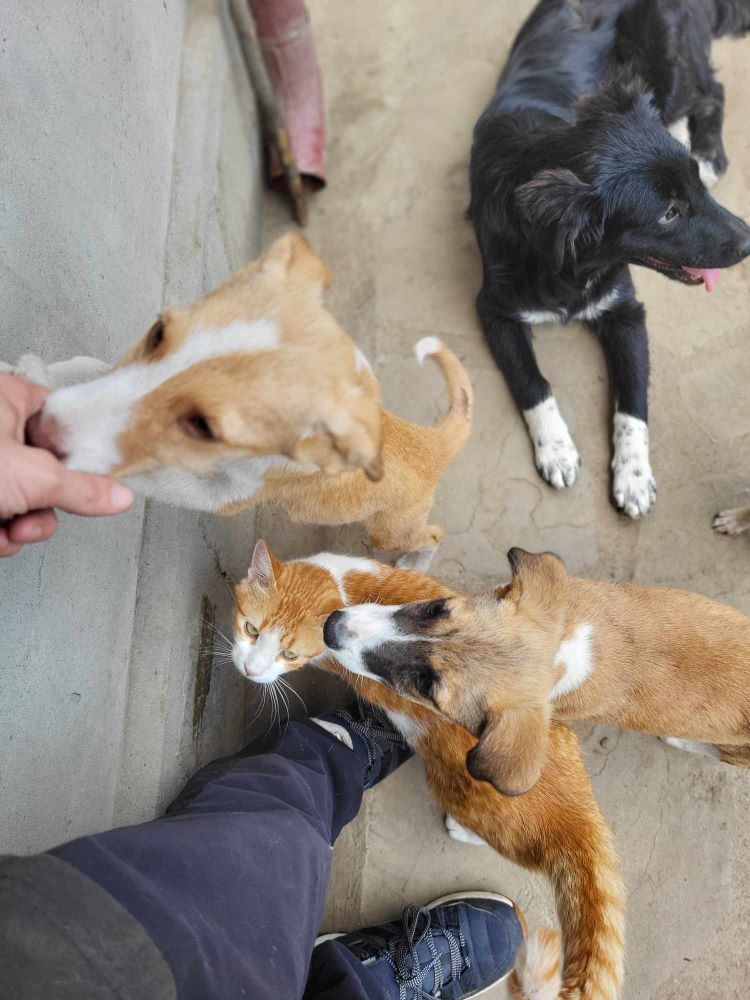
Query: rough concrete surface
{"type": "Point", "coordinates": [129, 179]}
{"type": "Point", "coordinates": [404, 85]}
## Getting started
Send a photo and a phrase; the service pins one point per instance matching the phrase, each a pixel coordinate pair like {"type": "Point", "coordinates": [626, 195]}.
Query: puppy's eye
{"type": "Point", "coordinates": [434, 609]}
{"type": "Point", "coordinates": [155, 336]}
{"type": "Point", "coordinates": [288, 654]}
{"type": "Point", "coordinates": [251, 630]}
{"type": "Point", "coordinates": [195, 425]}
{"type": "Point", "coordinates": [425, 684]}
{"type": "Point", "coordinates": [670, 215]}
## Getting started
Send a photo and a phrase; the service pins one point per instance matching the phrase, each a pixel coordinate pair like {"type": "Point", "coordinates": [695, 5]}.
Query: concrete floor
{"type": "Point", "coordinates": [404, 84]}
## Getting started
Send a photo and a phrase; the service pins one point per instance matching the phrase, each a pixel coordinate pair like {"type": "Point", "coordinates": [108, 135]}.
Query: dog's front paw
{"type": "Point", "coordinates": [732, 522]}
{"type": "Point", "coordinates": [633, 484]}
{"type": "Point", "coordinates": [458, 832]}
{"type": "Point", "coordinates": [556, 456]}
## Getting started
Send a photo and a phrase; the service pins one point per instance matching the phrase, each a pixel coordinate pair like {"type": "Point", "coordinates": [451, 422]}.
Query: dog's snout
{"type": "Point", "coordinates": [44, 432]}
{"type": "Point", "coordinates": [334, 630]}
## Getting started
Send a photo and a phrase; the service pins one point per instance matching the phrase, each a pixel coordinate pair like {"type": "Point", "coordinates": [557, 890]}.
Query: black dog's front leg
{"type": "Point", "coordinates": [705, 122]}
{"type": "Point", "coordinates": [622, 331]}
{"type": "Point", "coordinates": [509, 341]}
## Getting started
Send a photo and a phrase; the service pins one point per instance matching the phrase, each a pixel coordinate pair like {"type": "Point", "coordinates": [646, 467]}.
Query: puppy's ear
{"type": "Point", "coordinates": [560, 202]}
{"type": "Point", "coordinates": [292, 258]}
{"type": "Point", "coordinates": [264, 566]}
{"type": "Point", "coordinates": [352, 438]}
{"type": "Point", "coordinates": [537, 577]}
{"type": "Point", "coordinates": [511, 750]}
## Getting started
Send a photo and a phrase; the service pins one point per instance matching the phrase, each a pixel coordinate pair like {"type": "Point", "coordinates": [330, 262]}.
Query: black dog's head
{"type": "Point", "coordinates": [626, 191]}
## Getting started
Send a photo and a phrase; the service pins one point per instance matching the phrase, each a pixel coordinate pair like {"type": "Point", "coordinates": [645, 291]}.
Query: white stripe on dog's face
{"type": "Point", "coordinates": [363, 628]}
{"type": "Point", "coordinates": [91, 417]}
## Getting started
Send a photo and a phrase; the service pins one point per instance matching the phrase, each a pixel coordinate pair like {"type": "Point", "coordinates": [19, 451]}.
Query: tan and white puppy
{"type": "Point", "coordinates": [549, 646]}
{"type": "Point", "coordinates": [255, 394]}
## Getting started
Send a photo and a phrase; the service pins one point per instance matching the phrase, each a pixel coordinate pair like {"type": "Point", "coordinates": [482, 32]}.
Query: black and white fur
{"type": "Point", "coordinates": [574, 177]}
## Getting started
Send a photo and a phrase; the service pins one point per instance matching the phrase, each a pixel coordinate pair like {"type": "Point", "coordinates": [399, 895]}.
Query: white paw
{"type": "Point", "coordinates": [633, 485]}
{"type": "Point", "coordinates": [458, 832]}
{"type": "Point", "coordinates": [691, 746]}
{"type": "Point", "coordinates": [732, 522]}
{"type": "Point", "coordinates": [556, 456]}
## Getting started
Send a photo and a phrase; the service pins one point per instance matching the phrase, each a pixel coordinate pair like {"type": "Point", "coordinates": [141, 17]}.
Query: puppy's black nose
{"type": "Point", "coordinates": [333, 630]}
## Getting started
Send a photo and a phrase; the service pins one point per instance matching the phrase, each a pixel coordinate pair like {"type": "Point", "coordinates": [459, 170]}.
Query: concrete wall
{"type": "Point", "coordinates": [128, 180]}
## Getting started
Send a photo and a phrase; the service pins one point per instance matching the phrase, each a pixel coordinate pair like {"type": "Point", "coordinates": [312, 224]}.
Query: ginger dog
{"type": "Point", "coordinates": [245, 396]}
{"type": "Point", "coordinates": [557, 828]}
{"type": "Point", "coordinates": [550, 646]}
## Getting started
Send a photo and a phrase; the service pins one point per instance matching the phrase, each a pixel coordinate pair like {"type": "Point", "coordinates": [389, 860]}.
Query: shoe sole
{"type": "Point", "coordinates": [453, 897]}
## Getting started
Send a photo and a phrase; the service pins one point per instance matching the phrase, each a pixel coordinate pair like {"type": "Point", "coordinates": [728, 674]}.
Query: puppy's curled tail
{"type": "Point", "coordinates": [538, 971]}
{"type": "Point", "coordinates": [455, 424]}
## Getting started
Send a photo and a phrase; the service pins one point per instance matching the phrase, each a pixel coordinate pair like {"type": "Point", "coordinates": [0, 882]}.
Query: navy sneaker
{"type": "Point", "coordinates": [456, 947]}
{"type": "Point", "coordinates": [369, 732]}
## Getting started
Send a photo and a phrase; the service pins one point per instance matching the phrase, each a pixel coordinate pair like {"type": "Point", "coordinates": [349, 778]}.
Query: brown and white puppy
{"type": "Point", "coordinates": [549, 646]}
{"type": "Point", "coordinates": [255, 394]}
{"type": "Point", "coordinates": [557, 828]}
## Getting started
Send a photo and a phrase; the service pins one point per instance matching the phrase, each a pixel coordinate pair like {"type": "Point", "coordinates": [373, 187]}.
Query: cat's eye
{"type": "Point", "coordinates": [288, 654]}
{"type": "Point", "coordinates": [251, 630]}
{"type": "Point", "coordinates": [670, 215]}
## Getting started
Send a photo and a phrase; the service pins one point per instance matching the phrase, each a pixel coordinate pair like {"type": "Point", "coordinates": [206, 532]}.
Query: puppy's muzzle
{"type": "Point", "coordinates": [335, 632]}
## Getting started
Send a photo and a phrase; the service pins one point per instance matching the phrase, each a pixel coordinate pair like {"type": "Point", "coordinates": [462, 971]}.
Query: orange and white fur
{"type": "Point", "coordinates": [550, 646]}
{"type": "Point", "coordinates": [254, 395]}
{"type": "Point", "coordinates": [557, 828]}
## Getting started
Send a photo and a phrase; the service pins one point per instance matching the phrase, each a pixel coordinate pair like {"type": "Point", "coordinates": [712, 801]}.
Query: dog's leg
{"type": "Point", "coordinates": [706, 120]}
{"type": "Point", "coordinates": [732, 522]}
{"type": "Point", "coordinates": [622, 331]}
{"type": "Point", "coordinates": [509, 341]}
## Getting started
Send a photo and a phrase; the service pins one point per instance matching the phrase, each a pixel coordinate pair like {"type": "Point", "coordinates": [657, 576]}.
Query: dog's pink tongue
{"type": "Point", "coordinates": [710, 275]}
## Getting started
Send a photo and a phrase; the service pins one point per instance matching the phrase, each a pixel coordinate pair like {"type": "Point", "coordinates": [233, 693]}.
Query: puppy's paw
{"type": "Point", "coordinates": [708, 171]}
{"type": "Point", "coordinates": [732, 522]}
{"type": "Point", "coordinates": [458, 832]}
{"type": "Point", "coordinates": [633, 484]}
{"type": "Point", "coordinates": [417, 559]}
{"type": "Point", "coordinates": [555, 454]}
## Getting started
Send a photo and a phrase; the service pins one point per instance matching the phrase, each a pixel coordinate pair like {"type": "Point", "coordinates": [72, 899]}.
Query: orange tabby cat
{"type": "Point", "coordinates": [556, 827]}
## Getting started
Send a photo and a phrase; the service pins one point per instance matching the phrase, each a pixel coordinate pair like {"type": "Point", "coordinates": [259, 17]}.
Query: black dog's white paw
{"type": "Point", "coordinates": [462, 833]}
{"type": "Point", "coordinates": [633, 483]}
{"type": "Point", "coordinates": [556, 455]}
{"type": "Point", "coordinates": [732, 522]}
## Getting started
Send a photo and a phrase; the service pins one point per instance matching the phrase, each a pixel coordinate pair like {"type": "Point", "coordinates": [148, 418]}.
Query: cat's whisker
{"type": "Point", "coordinates": [296, 694]}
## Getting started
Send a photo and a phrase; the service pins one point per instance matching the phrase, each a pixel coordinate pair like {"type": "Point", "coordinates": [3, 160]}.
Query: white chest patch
{"type": "Point", "coordinates": [591, 312]}
{"type": "Point", "coordinates": [575, 655]}
{"type": "Point", "coordinates": [338, 566]}
{"type": "Point", "coordinates": [94, 414]}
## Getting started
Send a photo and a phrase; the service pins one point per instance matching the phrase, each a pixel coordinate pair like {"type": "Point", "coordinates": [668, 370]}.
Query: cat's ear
{"type": "Point", "coordinates": [264, 566]}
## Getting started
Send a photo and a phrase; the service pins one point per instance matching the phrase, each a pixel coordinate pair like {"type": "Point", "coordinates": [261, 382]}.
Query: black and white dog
{"type": "Point", "coordinates": [574, 177]}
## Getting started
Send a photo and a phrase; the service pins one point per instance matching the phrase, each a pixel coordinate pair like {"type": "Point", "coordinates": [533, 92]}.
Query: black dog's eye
{"type": "Point", "coordinates": [425, 684]}
{"type": "Point", "coordinates": [434, 609]}
{"type": "Point", "coordinates": [195, 425]}
{"type": "Point", "coordinates": [154, 336]}
{"type": "Point", "coordinates": [670, 215]}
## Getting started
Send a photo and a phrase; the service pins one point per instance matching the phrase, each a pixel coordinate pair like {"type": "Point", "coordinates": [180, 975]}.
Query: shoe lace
{"type": "Point", "coordinates": [402, 955]}
{"type": "Point", "coordinates": [376, 733]}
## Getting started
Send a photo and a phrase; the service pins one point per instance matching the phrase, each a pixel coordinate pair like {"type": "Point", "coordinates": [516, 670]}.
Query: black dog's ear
{"type": "Point", "coordinates": [560, 201]}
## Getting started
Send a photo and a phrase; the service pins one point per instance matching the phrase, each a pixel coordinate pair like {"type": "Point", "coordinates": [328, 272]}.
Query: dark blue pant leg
{"type": "Point", "coordinates": [231, 884]}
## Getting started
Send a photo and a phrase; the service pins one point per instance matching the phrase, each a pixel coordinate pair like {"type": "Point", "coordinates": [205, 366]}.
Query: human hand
{"type": "Point", "coordinates": [33, 481]}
